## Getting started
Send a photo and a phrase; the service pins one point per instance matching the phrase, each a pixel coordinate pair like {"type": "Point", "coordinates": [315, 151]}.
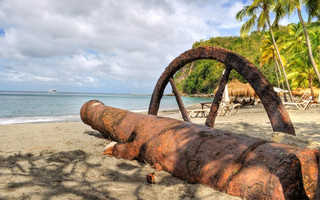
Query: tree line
{"type": "Point", "coordinates": [288, 56]}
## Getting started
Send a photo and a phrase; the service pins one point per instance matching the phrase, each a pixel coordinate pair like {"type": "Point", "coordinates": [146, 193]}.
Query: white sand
{"type": "Point", "coordinates": [64, 161]}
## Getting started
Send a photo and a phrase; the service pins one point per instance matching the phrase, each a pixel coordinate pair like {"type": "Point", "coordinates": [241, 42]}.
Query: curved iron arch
{"type": "Point", "coordinates": [278, 115]}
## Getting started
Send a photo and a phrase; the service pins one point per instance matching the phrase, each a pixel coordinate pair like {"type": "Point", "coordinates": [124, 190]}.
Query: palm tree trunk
{"type": "Point", "coordinates": [314, 65]}
{"type": "Point", "coordinates": [276, 71]}
{"type": "Point", "coordinates": [310, 85]}
{"type": "Point", "coordinates": [281, 63]}
{"type": "Point", "coordinates": [284, 94]}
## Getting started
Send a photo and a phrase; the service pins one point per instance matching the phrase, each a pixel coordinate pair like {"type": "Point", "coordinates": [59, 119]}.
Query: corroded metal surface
{"type": "Point", "coordinates": [217, 98]}
{"type": "Point", "coordinates": [239, 165]}
{"type": "Point", "coordinates": [279, 118]}
{"type": "Point", "coordinates": [182, 109]}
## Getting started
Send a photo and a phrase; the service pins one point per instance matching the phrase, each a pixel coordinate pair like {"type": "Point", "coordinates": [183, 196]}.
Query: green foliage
{"type": "Point", "coordinates": [299, 66]}
{"type": "Point", "coordinates": [204, 77]}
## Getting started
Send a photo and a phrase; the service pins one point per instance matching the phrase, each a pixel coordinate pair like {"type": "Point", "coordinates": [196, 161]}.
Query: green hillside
{"type": "Point", "coordinates": [203, 76]}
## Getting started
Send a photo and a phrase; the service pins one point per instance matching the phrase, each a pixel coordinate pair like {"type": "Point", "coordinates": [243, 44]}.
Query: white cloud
{"type": "Point", "coordinates": [84, 42]}
{"type": "Point", "coordinates": [284, 21]}
{"type": "Point", "coordinates": [82, 62]}
{"type": "Point", "coordinates": [16, 76]}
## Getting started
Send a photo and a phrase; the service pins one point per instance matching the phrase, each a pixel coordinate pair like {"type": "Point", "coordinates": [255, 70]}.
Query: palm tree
{"type": "Point", "coordinates": [299, 63]}
{"type": "Point", "coordinates": [301, 71]}
{"type": "Point", "coordinates": [258, 13]}
{"type": "Point", "coordinates": [296, 42]}
{"type": "Point", "coordinates": [312, 7]}
{"type": "Point", "coordinates": [268, 56]}
{"type": "Point", "coordinates": [315, 40]}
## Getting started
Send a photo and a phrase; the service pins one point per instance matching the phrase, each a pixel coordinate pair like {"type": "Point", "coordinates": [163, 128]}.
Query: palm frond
{"type": "Point", "coordinates": [262, 19]}
{"type": "Point", "coordinates": [289, 5]}
{"type": "Point", "coordinates": [242, 13]}
{"type": "Point", "coordinates": [253, 7]}
{"type": "Point", "coordinates": [280, 12]}
{"type": "Point", "coordinates": [314, 25]}
{"type": "Point", "coordinates": [284, 60]}
{"type": "Point", "coordinates": [312, 7]}
{"type": "Point", "coordinates": [248, 26]}
{"type": "Point", "coordinates": [296, 30]}
{"type": "Point", "coordinates": [299, 32]}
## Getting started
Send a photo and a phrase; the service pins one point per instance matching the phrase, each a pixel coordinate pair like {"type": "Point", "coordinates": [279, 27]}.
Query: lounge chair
{"type": "Point", "coordinates": [304, 103]}
{"type": "Point", "coordinates": [316, 102]}
{"type": "Point", "coordinates": [228, 109]}
{"type": "Point", "coordinates": [198, 113]}
{"type": "Point", "coordinates": [299, 105]}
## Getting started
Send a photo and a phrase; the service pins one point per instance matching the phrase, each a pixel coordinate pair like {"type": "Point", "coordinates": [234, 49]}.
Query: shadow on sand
{"type": "Point", "coordinates": [79, 175]}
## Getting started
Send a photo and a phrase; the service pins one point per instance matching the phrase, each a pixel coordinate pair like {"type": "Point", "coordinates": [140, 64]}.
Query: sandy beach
{"type": "Point", "coordinates": [65, 161]}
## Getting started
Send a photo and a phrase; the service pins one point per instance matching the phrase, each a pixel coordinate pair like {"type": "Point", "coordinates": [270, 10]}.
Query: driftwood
{"type": "Point", "coordinates": [239, 165]}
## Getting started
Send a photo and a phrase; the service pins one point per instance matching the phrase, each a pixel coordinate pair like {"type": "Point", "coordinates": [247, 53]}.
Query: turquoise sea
{"type": "Point", "coordinates": [30, 107]}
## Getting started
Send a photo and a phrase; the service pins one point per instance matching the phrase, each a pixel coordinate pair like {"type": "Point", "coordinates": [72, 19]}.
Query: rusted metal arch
{"type": "Point", "coordinates": [179, 101]}
{"type": "Point", "coordinates": [279, 117]}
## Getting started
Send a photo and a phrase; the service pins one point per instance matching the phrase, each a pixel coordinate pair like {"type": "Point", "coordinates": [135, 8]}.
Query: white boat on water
{"type": "Point", "coordinates": [52, 91]}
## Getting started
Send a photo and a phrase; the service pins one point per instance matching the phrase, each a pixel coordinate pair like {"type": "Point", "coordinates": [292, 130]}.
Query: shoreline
{"type": "Point", "coordinates": [246, 117]}
{"type": "Point", "coordinates": [64, 160]}
{"type": "Point", "coordinates": [71, 117]}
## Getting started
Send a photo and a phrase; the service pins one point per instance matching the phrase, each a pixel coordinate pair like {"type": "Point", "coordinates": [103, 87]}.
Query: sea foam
{"type": "Point", "coordinates": [40, 119]}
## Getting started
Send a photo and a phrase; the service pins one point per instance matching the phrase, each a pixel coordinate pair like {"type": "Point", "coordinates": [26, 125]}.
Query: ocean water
{"type": "Point", "coordinates": [27, 107]}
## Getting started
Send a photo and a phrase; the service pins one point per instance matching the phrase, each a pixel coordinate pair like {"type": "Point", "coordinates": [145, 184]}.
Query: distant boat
{"type": "Point", "coordinates": [52, 91]}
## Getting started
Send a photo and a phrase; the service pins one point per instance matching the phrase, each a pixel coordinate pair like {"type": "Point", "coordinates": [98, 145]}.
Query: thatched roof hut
{"type": "Point", "coordinates": [251, 92]}
{"type": "Point", "coordinates": [239, 89]}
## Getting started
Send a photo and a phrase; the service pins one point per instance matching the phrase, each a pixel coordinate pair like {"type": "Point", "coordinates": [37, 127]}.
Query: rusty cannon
{"type": "Point", "coordinates": [239, 165]}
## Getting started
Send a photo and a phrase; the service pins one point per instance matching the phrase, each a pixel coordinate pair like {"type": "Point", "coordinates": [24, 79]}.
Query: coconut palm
{"type": "Point", "coordinates": [301, 71]}
{"type": "Point", "coordinates": [295, 41]}
{"type": "Point", "coordinates": [315, 40]}
{"type": "Point", "coordinates": [313, 9]}
{"type": "Point", "coordinates": [299, 63]}
{"type": "Point", "coordinates": [258, 13]}
{"type": "Point", "coordinates": [269, 56]}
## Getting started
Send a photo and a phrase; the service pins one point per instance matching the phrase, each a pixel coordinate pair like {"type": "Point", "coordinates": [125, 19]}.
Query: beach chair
{"type": "Point", "coordinates": [228, 109]}
{"type": "Point", "coordinates": [303, 103]}
{"type": "Point", "coordinates": [198, 113]}
{"type": "Point", "coordinates": [316, 102]}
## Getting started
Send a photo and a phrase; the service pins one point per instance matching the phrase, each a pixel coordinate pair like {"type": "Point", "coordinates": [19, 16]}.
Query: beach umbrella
{"type": "Point", "coordinates": [225, 95]}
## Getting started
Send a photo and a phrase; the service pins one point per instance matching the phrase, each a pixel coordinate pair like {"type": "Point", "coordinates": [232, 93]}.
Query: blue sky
{"type": "Point", "coordinates": [103, 45]}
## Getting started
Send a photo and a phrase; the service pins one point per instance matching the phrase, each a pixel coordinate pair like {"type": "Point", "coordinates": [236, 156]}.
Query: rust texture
{"type": "Point", "coordinates": [279, 117]}
{"type": "Point", "coordinates": [239, 165]}
{"type": "Point", "coordinates": [151, 178]}
{"type": "Point", "coordinates": [217, 98]}
{"type": "Point", "coordinates": [183, 110]}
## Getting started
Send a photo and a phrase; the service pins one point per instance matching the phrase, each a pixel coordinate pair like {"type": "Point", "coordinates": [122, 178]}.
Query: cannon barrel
{"type": "Point", "coordinates": [239, 165]}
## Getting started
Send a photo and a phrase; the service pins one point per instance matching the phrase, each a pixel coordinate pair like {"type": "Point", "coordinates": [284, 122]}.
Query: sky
{"type": "Point", "coordinates": [103, 46]}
